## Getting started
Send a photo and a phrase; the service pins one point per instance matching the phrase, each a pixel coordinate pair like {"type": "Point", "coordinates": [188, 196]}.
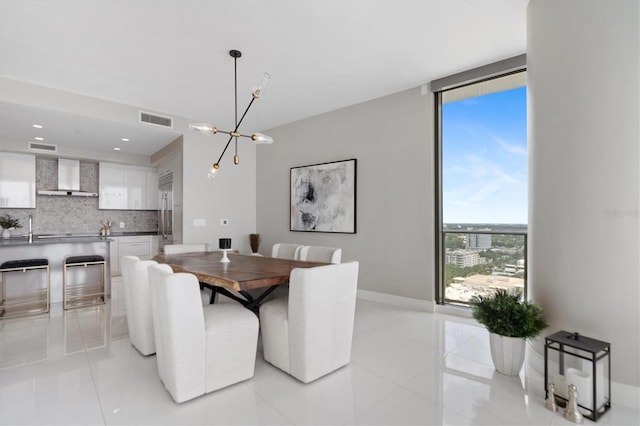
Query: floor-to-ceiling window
{"type": "Point", "coordinates": [481, 185]}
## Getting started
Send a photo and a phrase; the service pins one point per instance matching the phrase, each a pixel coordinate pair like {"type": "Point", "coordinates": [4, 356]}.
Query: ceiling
{"type": "Point", "coordinates": [171, 57]}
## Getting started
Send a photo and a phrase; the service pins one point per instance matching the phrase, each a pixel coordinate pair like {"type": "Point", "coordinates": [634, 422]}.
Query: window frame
{"type": "Point", "coordinates": [474, 76]}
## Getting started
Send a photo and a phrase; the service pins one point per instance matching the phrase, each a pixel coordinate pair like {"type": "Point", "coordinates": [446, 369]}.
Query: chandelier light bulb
{"type": "Point", "coordinates": [203, 128]}
{"type": "Point", "coordinates": [213, 171]}
{"type": "Point", "coordinates": [261, 139]}
{"type": "Point", "coordinates": [257, 92]}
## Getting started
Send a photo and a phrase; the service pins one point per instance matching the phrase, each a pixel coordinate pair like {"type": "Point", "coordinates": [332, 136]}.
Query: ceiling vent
{"type": "Point", "coordinates": [42, 147]}
{"type": "Point", "coordinates": [158, 120]}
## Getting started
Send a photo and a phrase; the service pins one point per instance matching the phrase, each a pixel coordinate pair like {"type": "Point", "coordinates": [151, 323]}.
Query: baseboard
{"type": "Point", "coordinates": [390, 299]}
{"type": "Point", "coordinates": [457, 311]}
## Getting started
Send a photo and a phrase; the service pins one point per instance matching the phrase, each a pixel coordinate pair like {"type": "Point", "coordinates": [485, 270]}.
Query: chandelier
{"type": "Point", "coordinates": [257, 138]}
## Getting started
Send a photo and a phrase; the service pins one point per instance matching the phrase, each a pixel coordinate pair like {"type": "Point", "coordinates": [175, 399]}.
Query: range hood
{"type": "Point", "coordinates": [68, 180]}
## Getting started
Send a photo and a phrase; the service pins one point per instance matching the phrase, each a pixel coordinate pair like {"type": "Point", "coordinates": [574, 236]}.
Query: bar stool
{"type": "Point", "coordinates": [28, 303]}
{"type": "Point", "coordinates": [87, 293]}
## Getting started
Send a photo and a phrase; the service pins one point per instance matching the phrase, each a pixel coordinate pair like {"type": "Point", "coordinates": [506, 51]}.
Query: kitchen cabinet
{"type": "Point", "coordinates": [17, 180]}
{"type": "Point", "coordinates": [112, 189]}
{"type": "Point", "coordinates": [124, 187]}
{"type": "Point", "coordinates": [152, 190]}
{"type": "Point", "coordinates": [144, 246]}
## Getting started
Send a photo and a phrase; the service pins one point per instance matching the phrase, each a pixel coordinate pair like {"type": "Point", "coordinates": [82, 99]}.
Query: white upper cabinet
{"type": "Point", "coordinates": [112, 189]}
{"type": "Point", "coordinates": [152, 190]}
{"type": "Point", "coordinates": [124, 187]}
{"type": "Point", "coordinates": [135, 182]}
{"type": "Point", "coordinates": [17, 180]}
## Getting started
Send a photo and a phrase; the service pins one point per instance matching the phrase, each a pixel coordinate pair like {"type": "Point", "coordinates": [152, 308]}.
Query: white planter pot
{"type": "Point", "coordinates": [507, 353]}
{"type": "Point", "coordinates": [6, 233]}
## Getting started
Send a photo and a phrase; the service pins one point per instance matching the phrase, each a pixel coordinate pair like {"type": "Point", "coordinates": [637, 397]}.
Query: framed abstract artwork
{"type": "Point", "coordinates": [323, 197]}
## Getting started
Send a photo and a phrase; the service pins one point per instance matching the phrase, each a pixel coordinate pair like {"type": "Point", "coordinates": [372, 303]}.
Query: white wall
{"type": "Point", "coordinates": [584, 161]}
{"type": "Point", "coordinates": [392, 139]}
{"type": "Point", "coordinates": [231, 195]}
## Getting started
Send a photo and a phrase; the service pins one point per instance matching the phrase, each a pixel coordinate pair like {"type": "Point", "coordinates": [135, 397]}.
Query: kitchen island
{"type": "Point", "coordinates": [57, 248]}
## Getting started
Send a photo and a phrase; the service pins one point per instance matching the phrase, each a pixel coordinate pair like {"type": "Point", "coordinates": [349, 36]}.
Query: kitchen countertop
{"type": "Point", "coordinates": [24, 241]}
{"type": "Point", "coordinates": [68, 238]}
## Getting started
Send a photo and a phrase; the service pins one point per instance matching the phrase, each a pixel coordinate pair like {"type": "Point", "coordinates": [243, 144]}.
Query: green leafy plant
{"type": "Point", "coordinates": [504, 312]}
{"type": "Point", "coordinates": [8, 222]}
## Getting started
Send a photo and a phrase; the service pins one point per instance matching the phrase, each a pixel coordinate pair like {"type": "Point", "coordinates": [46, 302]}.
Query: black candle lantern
{"type": "Point", "coordinates": [573, 359]}
{"type": "Point", "coordinates": [224, 243]}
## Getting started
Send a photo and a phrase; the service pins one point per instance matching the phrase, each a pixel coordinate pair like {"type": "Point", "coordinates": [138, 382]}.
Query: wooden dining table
{"type": "Point", "coordinates": [239, 276]}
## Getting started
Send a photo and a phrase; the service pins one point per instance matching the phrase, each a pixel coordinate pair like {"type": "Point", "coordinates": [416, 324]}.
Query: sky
{"type": "Point", "coordinates": [484, 158]}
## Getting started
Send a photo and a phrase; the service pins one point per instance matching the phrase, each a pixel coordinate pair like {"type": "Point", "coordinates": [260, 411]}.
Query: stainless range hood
{"type": "Point", "coordinates": [68, 180]}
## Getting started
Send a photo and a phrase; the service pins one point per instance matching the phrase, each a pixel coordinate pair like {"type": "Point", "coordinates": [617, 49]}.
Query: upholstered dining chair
{"type": "Point", "coordinates": [135, 280]}
{"type": "Point", "coordinates": [199, 349]}
{"type": "Point", "coordinates": [320, 254]}
{"type": "Point", "coordinates": [309, 333]}
{"type": "Point", "coordinates": [285, 251]}
{"type": "Point", "coordinates": [207, 296]}
{"type": "Point", "coordinates": [185, 248]}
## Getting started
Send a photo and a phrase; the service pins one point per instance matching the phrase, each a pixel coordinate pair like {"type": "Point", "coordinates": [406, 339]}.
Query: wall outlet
{"type": "Point", "coordinates": [121, 224]}
{"type": "Point", "coordinates": [224, 222]}
{"type": "Point", "coordinates": [199, 222]}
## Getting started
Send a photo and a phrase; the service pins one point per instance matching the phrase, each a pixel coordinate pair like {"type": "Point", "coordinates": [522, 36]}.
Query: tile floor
{"type": "Point", "coordinates": [78, 367]}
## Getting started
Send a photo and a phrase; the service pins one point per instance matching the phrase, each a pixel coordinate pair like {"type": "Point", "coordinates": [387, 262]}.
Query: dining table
{"type": "Point", "coordinates": [247, 279]}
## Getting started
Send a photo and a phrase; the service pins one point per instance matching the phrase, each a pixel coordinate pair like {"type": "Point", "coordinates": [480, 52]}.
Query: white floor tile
{"type": "Point", "coordinates": [408, 367]}
{"type": "Point", "coordinates": [69, 405]}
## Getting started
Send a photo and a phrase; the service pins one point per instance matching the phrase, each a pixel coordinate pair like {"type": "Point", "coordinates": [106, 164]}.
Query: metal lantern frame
{"type": "Point", "coordinates": [568, 344]}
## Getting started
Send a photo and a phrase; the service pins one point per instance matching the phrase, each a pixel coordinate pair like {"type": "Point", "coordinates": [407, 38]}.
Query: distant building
{"type": "Point", "coordinates": [478, 241]}
{"type": "Point", "coordinates": [462, 258]}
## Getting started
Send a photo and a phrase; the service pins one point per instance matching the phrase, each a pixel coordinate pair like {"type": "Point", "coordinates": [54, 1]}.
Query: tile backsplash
{"type": "Point", "coordinates": [64, 214]}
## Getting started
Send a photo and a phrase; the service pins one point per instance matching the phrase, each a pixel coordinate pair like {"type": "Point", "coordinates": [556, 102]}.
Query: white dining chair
{"type": "Point", "coordinates": [135, 279]}
{"type": "Point", "coordinates": [170, 249]}
{"type": "Point", "coordinates": [320, 254]}
{"type": "Point", "coordinates": [206, 294]}
{"type": "Point", "coordinates": [199, 349]}
{"type": "Point", "coordinates": [309, 333]}
{"type": "Point", "coordinates": [285, 250]}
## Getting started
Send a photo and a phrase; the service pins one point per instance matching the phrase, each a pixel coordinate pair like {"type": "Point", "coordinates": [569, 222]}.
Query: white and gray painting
{"type": "Point", "coordinates": [323, 197]}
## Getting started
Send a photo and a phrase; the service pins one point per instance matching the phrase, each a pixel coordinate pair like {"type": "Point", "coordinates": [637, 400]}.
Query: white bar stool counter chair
{"type": "Point", "coordinates": [89, 290]}
{"type": "Point", "coordinates": [199, 349]}
{"type": "Point", "coordinates": [35, 301]}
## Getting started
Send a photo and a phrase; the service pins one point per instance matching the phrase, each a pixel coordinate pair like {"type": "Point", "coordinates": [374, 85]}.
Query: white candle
{"type": "Point", "coordinates": [560, 386]}
{"type": "Point", "coordinates": [584, 383]}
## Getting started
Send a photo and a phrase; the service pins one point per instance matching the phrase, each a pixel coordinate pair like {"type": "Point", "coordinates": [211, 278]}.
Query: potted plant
{"type": "Point", "coordinates": [7, 222]}
{"type": "Point", "coordinates": [510, 321]}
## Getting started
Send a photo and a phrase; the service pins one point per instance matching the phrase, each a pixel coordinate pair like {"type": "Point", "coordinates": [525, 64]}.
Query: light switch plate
{"type": "Point", "coordinates": [199, 222]}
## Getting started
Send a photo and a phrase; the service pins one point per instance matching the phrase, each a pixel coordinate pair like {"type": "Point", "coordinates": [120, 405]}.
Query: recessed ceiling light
{"type": "Point", "coordinates": [125, 140]}
{"type": "Point", "coordinates": [38, 138]}
{"type": "Point", "coordinates": [38, 126]}
{"type": "Point", "coordinates": [116, 149]}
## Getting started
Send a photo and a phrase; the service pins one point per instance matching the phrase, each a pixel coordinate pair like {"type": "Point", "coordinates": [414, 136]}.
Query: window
{"type": "Point", "coordinates": [481, 178]}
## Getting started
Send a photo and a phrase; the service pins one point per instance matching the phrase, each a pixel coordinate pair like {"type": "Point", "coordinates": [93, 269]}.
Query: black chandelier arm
{"type": "Point", "coordinates": [245, 113]}
{"type": "Point", "coordinates": [235, 130]}
{"type": "Point", "coordinates": [225, 149]}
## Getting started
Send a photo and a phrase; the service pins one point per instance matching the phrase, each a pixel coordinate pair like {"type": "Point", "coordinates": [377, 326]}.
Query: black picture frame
{"type": "Point", "coordinates": [323, 197]}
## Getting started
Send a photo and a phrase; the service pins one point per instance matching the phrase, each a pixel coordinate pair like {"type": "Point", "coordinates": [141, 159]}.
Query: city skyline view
{"type": "Point", "coordinates": [484, 158]}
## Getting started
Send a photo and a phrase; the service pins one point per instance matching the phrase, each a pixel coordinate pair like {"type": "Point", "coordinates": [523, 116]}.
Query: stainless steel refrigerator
{"type": "Point", "coordinates": [165, 214]}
